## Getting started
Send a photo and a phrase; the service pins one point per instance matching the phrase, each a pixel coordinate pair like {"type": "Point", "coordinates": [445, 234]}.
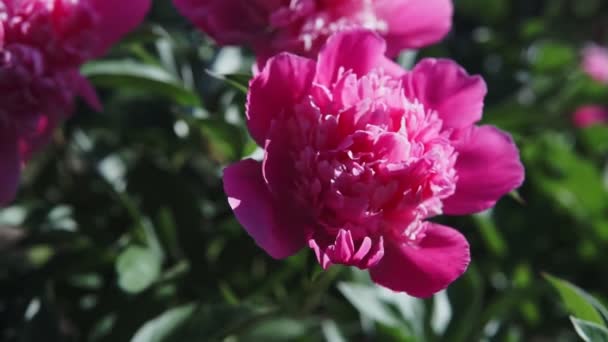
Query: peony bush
{"type": "Point", "coordinates": [42, 46]}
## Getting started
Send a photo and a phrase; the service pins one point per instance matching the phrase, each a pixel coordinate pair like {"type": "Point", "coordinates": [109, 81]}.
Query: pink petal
{"type": "Point", "coordinates": [1, 36]}
{"type": "Point", "coordinates": [414, 23]}
{"type": "Point", "coordinates": [278, 166]}
{"type": "Point", "coordinates": [590, 115]}
{"type": "Point", "coordinates": [9, 167]}
{"type": "Point", "coordinates": [118, 17]}
{"type": "Point", "coordinates": [228, 21]}
{"type": "Point", "coordinates": [488, 167]}
{"type": "Point", "coordinates": [322, 257]}
{"type": "Point", "coordinates": [444, 86]}
{"type": "Point", "coordinates": [391, 147]}
{"type": "Point", "coordinates": [358, 50]}
{"type": "Point", "coordinates": [345, 251]}
{"type": "Point", "coordinates": [38, 138]}
{"type": "Point", "coordinates": [426, 268]}
{"type": "Point", "coordinates": [86, 91]}
{"type": "Point", "coordinates": [264, 219]}
{"type": "Point", "coordinates": [283, 82]}
{"type": "Point", "coordinates": [595, 62]}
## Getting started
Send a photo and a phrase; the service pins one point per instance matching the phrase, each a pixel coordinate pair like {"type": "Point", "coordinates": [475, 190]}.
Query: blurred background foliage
{"type": "Point", "coordinates": [121, 231]}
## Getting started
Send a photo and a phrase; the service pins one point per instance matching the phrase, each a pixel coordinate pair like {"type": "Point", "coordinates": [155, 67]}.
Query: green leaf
{"type": "Point", "coordinates": [216, 322]}
{"type": "Point", "coordinates": [365, 299]}
{"type": "Point", "coordinates": [161, 327]}
{"type": "Point", "coordinates": [279, 329]}
{"type": "Point", "coordinates": [466, 299]}
{"type": "Point", "coordinates": [237, 81]}
{"type": "Point", "coordinates": [442, 313]}
{"type": "Point", "coordinates": [573, 182]}
{"type": "Point", "coordinates": [331, 332]}
{"type": "Point", "coordinates": [576, 300]}
{"type": "Point", "coordinates": [139, 76]}
{"type": "Point", "coordinates": [491, 234]}
{"type": "Point", "coordinates": [225, 140]}
{"type": "Point", "coordinates": [39, 255]}
{"type": "Point", "coordinates": [137, 268]}
{"type": "Point", "coordinates": [595, 139]}
{"type": "Point", "coordinates": [589, 331]}
{"type": "Point", "coordinates": [551, 56]}
{"type": "Point", "coordinates": [492, 10]}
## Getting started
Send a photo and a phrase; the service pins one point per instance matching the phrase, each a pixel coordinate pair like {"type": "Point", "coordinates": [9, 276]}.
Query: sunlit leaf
{"type": "Point", "coordinates": [576, 300]}
{"type": "Point", "coordinates": [589, 331]}
{"type": "Point", "coordinates": [365, 299]}
{"type": "Point", "coordinates": [331, 332]}
{"type": "Point", "coordinates": [137, 268]}
{"type": "Point", "coordinates": [141, 77]}
{"type": "Point", "coordinates": [160, 328]}
{"type": "Point", "coordinates": [237, 81]}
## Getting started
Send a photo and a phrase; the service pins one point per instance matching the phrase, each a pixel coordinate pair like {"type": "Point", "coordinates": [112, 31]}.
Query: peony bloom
{"type": "Point", "coordinates": [595, 62]}
{"type": "Point", "coordinates": [42, 45]}
{"type": "Point", "coordinates": [590, 115]}
{"type": "Point", "coordinates": [302, 26]}
{"type": "Point", "coordinates": [359, 153]}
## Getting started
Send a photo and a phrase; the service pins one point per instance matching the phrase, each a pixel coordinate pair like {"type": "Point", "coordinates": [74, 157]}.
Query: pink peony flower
{"type": "Point", "coordinates": [302, 26]}
{"type": "Point", "coordinates": [42, 45]}
{"type": "Point", "coordinates": [359, 153]}
{"type": "Point", "coordinates": [590, 115]}
{"type": "Point", "coordinates": [595, 62]}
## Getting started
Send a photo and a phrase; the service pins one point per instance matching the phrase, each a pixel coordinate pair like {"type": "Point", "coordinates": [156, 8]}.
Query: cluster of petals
{"type": "Point", "coordinates": [42, 45]}
{"type": "Point", "coordinates": [302, 26]}
{"type": "Point", "coordinates": [595, 62]}
{"type": "Point", "coordinates": [360, 153]}
{"type": "Point", "coordinates": [590, 115]}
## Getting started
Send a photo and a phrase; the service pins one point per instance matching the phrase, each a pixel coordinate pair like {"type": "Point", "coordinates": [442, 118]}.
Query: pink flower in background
{"type": "Point", "coordinates": [590, 115]}
{"type": "Point", "coordinates": [359, 153]}
{"type": "Point", "coordinates": [302, 26]}
{"type": "Point", "coordinates": [595, 62]}
{"type": "Point", "coordinates": [42, 45]}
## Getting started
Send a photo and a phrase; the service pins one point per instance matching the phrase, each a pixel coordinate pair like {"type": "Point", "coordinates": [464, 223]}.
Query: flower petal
{"type": "Point", "coordinates": [87, 92]}
{"type": "Point", "coordinates": [37, 138]}
{"type": "Point", "coordinates": [414, 23]}
{"type": "Point", "coordinates": [278, 166]}
{"type": "Point", "coordinates": [444, 86]}
{"type": "Point", "coordinates": [9, 167]}
{"type": "Point", "coordinates": [228, 21]}
{"type": "Point", "coordinates": [283, 82]}
{"type": "Point", "coordinates": [118, 17]}
{"type": "Point", "coordinates": [426, 268]}
{"type": "Point", "coordinates": [362, 254]}
{"type": "Point", "coordinates": [595, 62]}
{"type": "Point", "coordinates": [488, 167]}
{"type": "Point", "coordinates": [590, 115]}
{"type": "Point", "coordinates": [357, 50]}
{"type": "Point", "coordinates": [264, 219]}
{"type": "Point", "coordinates": [1, 36]}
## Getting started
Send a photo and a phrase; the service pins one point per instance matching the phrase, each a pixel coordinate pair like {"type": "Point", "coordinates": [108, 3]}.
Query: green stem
{"type": "Point", "coordinates": [319, 288]}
